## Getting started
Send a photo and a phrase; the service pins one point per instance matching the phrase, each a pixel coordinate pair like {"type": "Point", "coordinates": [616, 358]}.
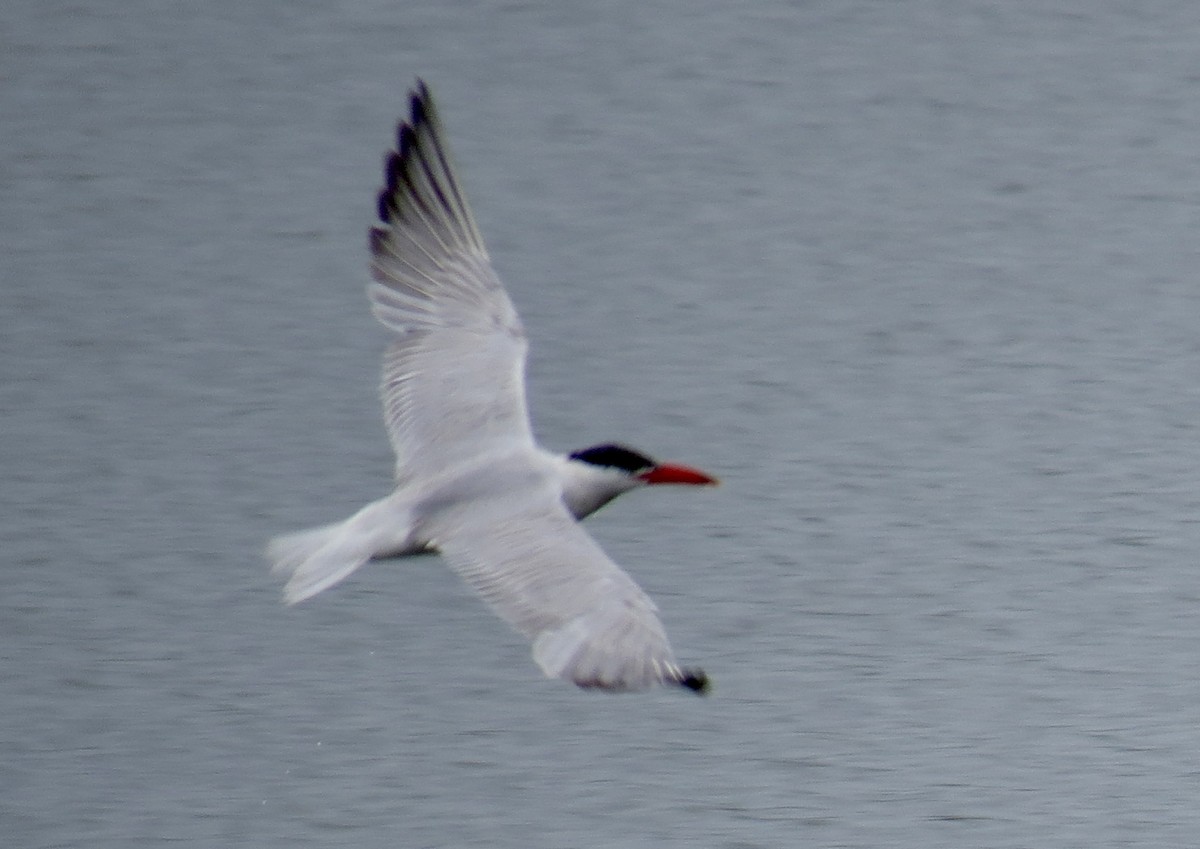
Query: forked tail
{"type": "Point", "coordinates": [314, 560]}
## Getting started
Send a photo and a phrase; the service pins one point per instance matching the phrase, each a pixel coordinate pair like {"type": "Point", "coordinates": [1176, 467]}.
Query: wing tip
{"type": "Point", "coordinates": [420, 191]}
{"type": "Point", "coordinates": [419, 101]}
{"type": "Point", "coordinates": [696, 680]}
{"type": "Point", "coordinates": [383, 206]}
{"type": "Point", "coordinates": [420, 105]}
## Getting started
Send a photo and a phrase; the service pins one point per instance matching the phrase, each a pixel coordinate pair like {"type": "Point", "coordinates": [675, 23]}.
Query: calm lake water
{"type": "Point", "coordinates": [918, 280]}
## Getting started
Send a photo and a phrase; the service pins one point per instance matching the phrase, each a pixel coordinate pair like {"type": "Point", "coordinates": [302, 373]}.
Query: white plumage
{"type": "Point", "coordinates": [471, 482]}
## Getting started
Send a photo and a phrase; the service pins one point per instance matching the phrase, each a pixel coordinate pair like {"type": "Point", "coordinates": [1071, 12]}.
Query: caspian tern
{"type": "Point", "coordinates": [471, 483]}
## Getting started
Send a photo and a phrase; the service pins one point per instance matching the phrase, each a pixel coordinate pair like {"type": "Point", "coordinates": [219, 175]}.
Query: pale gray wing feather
{"type": "Point", "coordinates": [453, 381]}
{"type": "Point", "coordinates": [543, 574]}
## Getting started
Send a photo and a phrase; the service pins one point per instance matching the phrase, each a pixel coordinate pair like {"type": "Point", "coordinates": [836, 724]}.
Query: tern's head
{"type": "Point", "coordinates": [595, 476]}
{"type": "Point", "coordinates": [639, 467]}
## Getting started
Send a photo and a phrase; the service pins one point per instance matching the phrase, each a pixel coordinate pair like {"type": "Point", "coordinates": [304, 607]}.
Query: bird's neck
{"type": "Point", "coordinates": [587, 488]}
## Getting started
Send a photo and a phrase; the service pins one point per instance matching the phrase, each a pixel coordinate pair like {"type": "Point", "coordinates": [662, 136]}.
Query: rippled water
{"type": "Point", "coordinates": [916, 279]}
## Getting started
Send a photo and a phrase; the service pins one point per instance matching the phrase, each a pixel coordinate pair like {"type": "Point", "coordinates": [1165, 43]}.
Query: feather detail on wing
{"type": "Point", "coordinates": [543, 574]}
{"type": "Point", "coordinates": [453, 379]}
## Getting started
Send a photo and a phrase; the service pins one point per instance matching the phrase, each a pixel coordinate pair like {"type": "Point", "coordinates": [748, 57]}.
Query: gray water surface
{"type": "Point", "coordinates": [916, 279]}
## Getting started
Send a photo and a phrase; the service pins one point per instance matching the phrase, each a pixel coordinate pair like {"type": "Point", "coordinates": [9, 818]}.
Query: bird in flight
{"type": "Point", "coordinates": [471, 482]}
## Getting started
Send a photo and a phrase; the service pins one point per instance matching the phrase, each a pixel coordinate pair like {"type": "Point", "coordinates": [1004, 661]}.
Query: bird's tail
{"type": "Point", "coordinates": [314, 559]}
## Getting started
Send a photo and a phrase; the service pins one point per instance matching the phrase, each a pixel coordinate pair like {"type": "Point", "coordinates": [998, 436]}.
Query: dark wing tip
{"type": "Point", "coordinates": [695, 680]}
{"type": "Point", "coordinates": [376, 239]}
{"type": "Point", "coordinates": [406, 140]}
{"type": "Point", "coordinates": [383, 206]}
{"type": "Point", "coordinates": [421, 196]}
{"type": "Point", "coordinates": [418, 103]}
{"type": "Point", "coordinates": [394, 167]}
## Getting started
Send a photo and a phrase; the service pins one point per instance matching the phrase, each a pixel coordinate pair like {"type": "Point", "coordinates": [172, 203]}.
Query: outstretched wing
{"type": "Point", "coordinates": [543, 574]}
{"type": "Point", "coordinates": [453, 382]}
